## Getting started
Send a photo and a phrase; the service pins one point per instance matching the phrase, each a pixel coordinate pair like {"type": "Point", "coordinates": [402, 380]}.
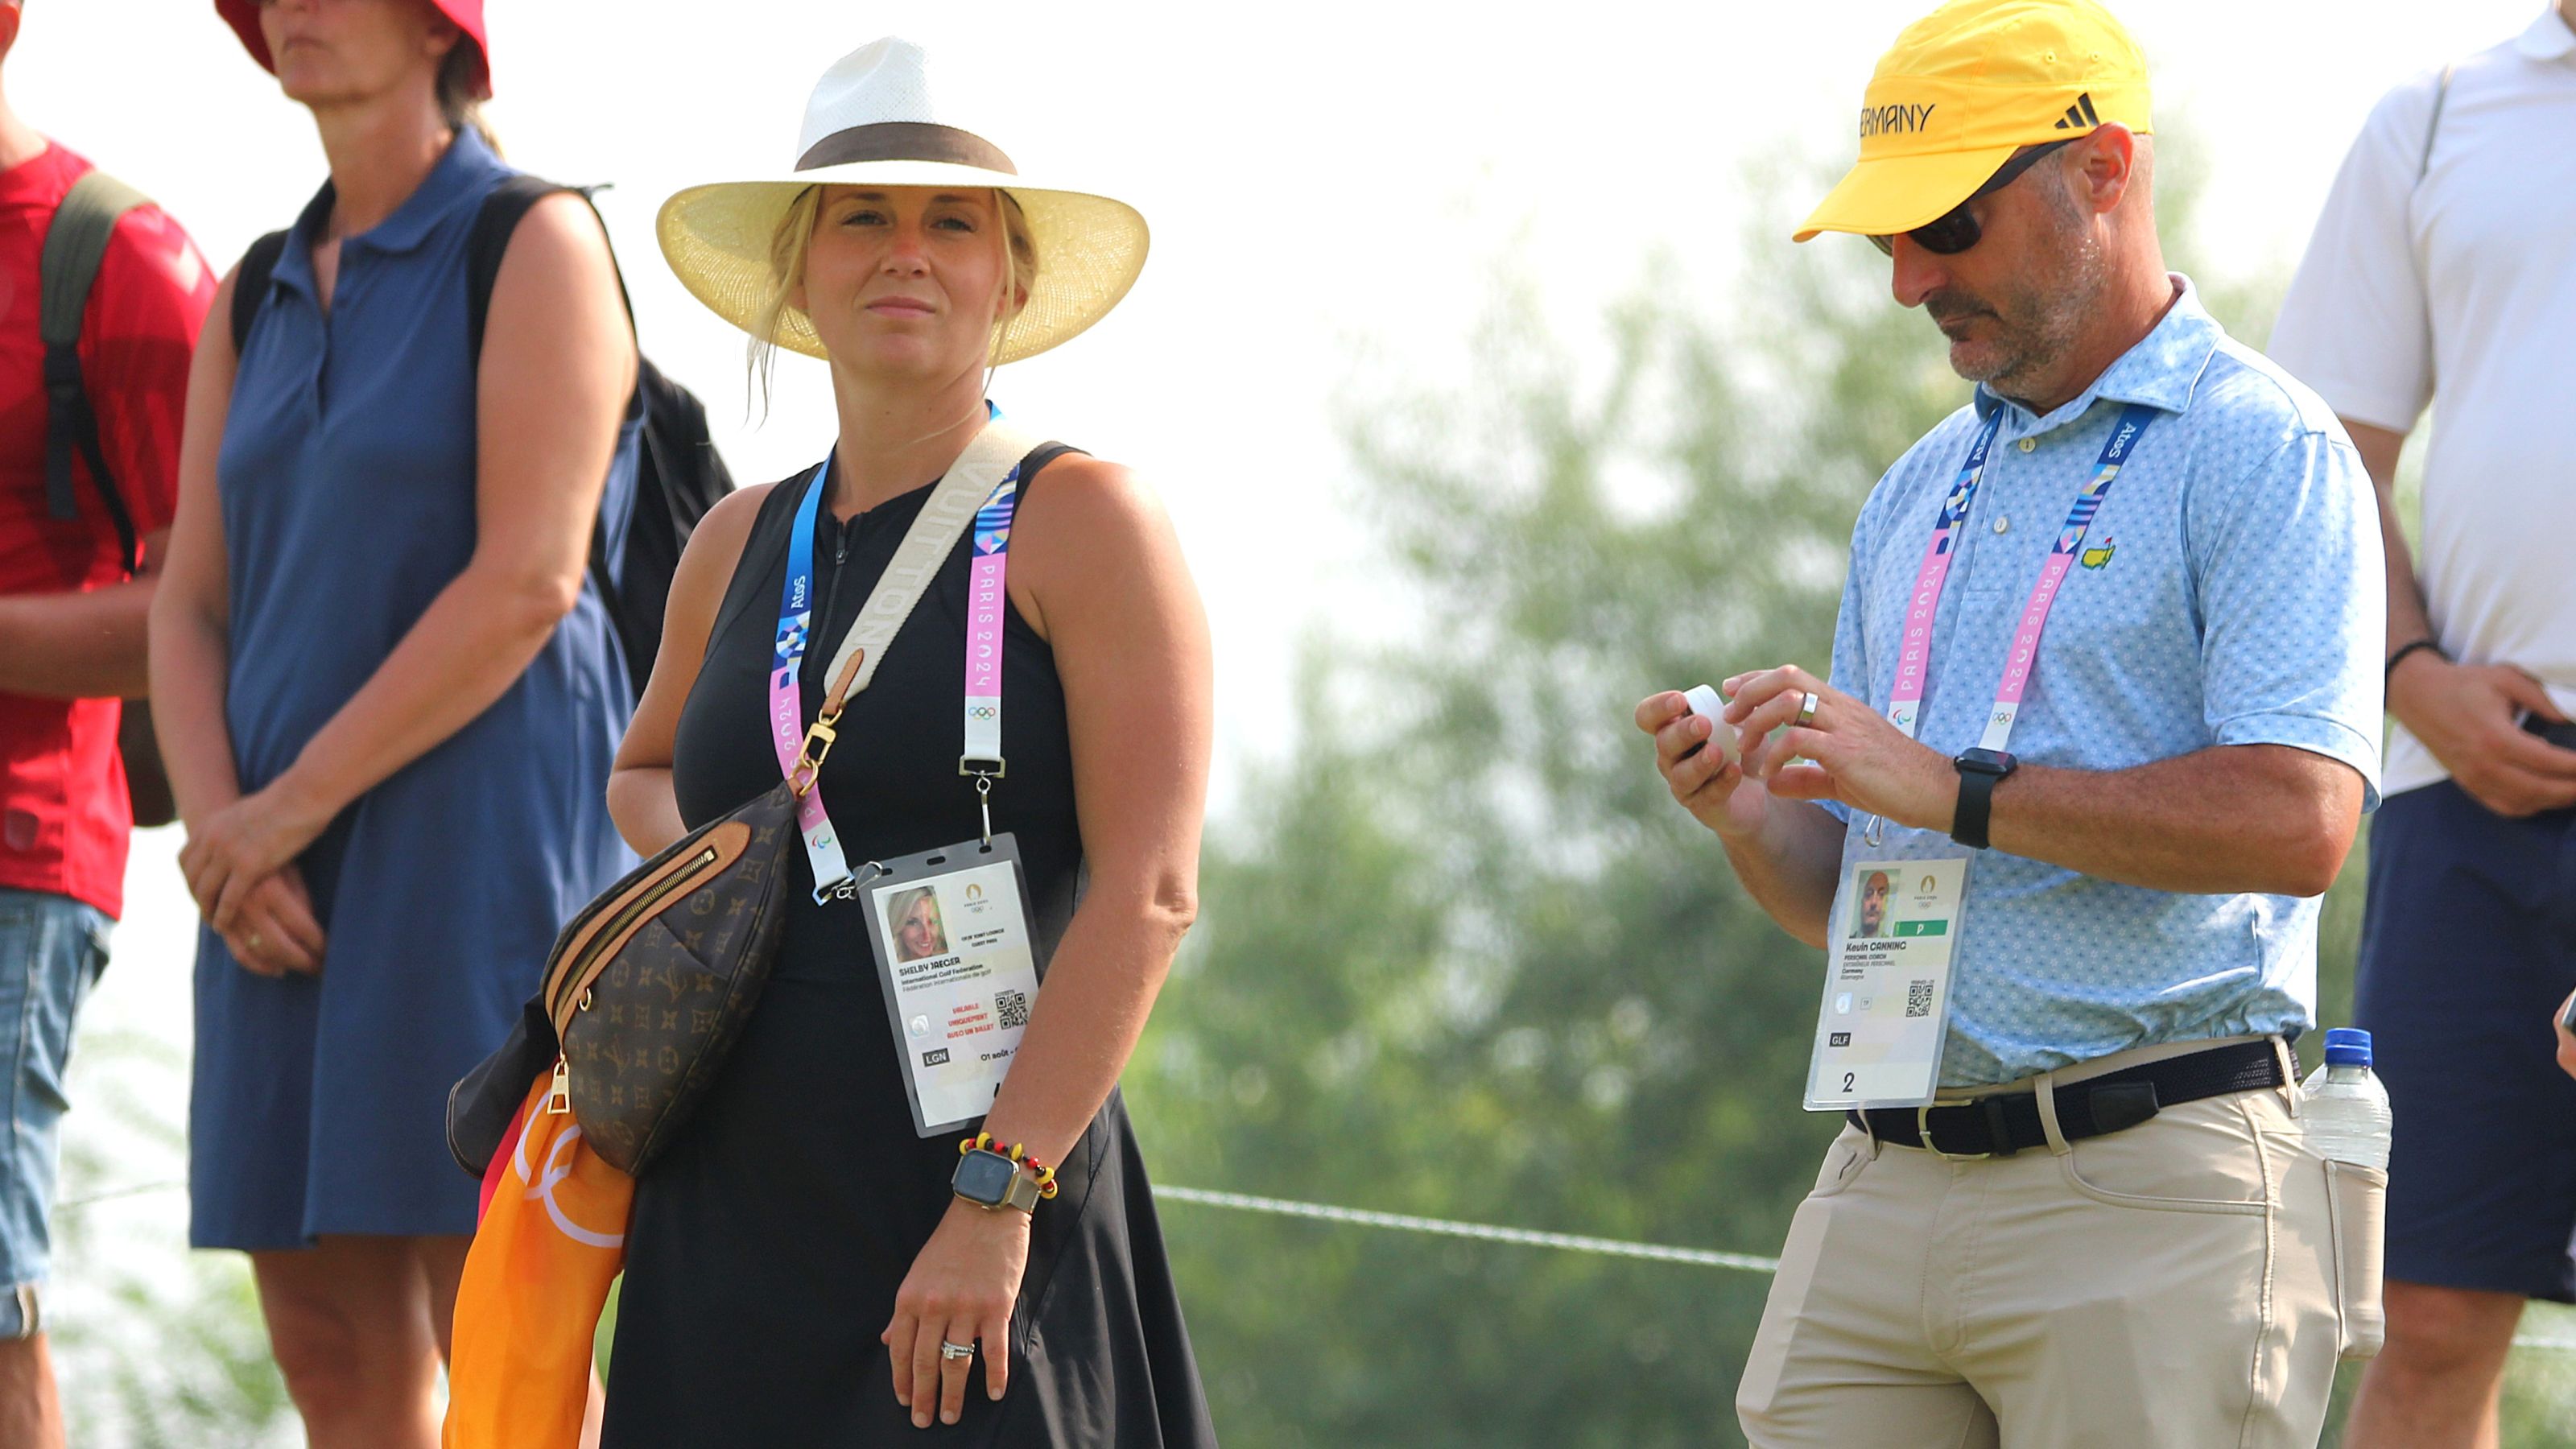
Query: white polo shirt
{"type": "Point", "coordinates": [2447, 275]}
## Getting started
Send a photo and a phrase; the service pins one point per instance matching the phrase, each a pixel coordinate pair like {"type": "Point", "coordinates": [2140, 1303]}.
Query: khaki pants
{"type": "Point", "coordinates": [2166, 1287]}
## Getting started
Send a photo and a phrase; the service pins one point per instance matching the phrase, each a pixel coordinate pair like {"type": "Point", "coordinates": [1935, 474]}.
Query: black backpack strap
{"type": "Point", "coordinates": [504, 207]}
{"type": "Point", "coordinates": [250, 284]}
{"type": "Point", "coordinates": [75, 245]}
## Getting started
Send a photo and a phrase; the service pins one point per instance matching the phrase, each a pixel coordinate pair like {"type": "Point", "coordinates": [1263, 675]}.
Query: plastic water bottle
{"type": "Point", "coordinates": [2346, 1112]}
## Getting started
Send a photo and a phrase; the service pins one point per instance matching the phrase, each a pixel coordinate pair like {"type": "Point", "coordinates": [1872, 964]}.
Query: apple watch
{"type": "Point", "coordinates": [1979, 772]}
{"type": "Point", "coordinates": [990, 1180]}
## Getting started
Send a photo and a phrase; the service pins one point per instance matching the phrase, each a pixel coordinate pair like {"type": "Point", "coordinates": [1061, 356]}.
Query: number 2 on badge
{"type": "Point", "coordinates": [1847, 1080]}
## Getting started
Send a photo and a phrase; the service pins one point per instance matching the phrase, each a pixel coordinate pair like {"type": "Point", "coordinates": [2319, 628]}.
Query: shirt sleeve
{"type": "Point", "coordinates": [2356, 325]}
{"type": "Point", "coordinates": [145, 309]}
{"type": "Point", "coordinates": [2294, 605]}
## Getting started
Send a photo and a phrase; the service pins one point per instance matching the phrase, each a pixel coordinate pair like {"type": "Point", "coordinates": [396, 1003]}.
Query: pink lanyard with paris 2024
{"type": "Point", "coordinates": [1914, 653]}
{"type": "Point", "coordinates": [924, 549]}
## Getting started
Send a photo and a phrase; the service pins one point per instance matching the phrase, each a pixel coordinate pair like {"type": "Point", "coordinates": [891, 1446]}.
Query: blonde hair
{"type": "Point", "coordinates": [794, 238]}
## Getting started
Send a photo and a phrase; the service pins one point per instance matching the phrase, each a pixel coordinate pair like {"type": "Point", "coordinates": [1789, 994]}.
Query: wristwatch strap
{"type": "Point", "coordinates": [1976, 805]}
{"type": "Point", "coordinates": [1023, 1193]}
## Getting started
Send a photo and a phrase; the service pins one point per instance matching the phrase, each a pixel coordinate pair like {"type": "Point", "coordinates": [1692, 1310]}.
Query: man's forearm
{"type": "Point", "coordinates": [76, 645]}
{"type": "Point", "coordinates": [2234, 818]}
{"type": "Point", "coordinates": [1789, 867]}
{"type": "Point", "coordinates": [2408, 619]}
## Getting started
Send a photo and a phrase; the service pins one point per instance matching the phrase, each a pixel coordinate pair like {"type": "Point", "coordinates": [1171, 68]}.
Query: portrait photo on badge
{"type": "Point", "coordinates": [1870, 889]}
{"type": "Point", "coordinates": [918, 929]}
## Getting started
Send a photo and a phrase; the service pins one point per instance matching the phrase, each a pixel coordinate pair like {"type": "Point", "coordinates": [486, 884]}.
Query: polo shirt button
{"type": "Point", "coordinates": [2002, 524]}
{"type": "Point", "coordinates": [2026, 445]}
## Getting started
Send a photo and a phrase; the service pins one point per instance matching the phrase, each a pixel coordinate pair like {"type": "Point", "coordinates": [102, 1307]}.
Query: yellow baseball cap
{"type": "Point", "coordinates": [1966, 86]}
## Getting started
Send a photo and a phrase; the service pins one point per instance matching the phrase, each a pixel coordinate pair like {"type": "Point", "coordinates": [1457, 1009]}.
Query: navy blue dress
{"type": "Point", "coordinates": [347, 478]}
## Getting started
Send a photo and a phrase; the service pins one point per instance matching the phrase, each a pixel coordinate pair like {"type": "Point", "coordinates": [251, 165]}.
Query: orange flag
{"type": "Point", "coordinates": [552, 1238]}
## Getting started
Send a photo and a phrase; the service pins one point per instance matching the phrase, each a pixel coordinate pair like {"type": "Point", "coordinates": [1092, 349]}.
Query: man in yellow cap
{"type": "Point", "coordinates": [2074, 1204]}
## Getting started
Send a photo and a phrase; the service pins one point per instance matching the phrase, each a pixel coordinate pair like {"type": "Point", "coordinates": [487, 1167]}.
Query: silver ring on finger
{"type": "Point", "coordinates": [952, 1351]}
{"type": "Point", "coordinates": [1807, 710]}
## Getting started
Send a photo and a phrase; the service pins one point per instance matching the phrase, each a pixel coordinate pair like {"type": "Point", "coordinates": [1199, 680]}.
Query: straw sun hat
{"type": "Point", "coordinates": [874, 120]}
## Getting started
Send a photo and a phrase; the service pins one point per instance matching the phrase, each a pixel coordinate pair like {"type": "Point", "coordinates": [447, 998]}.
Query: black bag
{"type": "Point", "coordinates": [679, 477]}
{"type": "Point", "coordinates": [75, 244]}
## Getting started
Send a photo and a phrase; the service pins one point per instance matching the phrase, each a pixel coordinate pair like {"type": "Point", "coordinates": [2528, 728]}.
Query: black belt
{"type": "Point", "coordinates": [2008, 1122]}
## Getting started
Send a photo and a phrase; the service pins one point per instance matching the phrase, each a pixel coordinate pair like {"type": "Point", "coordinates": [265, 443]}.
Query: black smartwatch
{"type": "Point", "coordinates": [991, 1181]}
{"type": "Point", "coordinates": [1979, 772]}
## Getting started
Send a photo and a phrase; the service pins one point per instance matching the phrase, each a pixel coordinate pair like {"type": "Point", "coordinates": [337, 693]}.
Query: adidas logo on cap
{"type": "Point", "coordinates": [2079, 115]}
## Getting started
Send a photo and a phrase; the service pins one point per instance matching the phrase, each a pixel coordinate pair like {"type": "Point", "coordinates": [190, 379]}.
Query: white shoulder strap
{"type": "Point", "coordinates": [926, 545]}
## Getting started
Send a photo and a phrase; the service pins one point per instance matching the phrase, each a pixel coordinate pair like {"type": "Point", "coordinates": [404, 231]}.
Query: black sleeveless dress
{"type": "Point", "coordinates": [768, 1242]}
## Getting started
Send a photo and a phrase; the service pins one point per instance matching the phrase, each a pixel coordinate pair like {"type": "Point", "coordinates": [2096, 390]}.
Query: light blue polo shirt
{"type": "Point", "coordinates": [2231, 592]}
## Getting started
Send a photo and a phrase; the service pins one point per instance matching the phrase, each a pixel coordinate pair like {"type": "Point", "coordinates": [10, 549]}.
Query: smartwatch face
{"type": "Point", "coordinates": [985, 1177]}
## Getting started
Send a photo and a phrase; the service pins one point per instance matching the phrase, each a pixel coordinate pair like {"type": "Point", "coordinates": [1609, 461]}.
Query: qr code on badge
{"type": "Point", "coordinates": [1011, 1009]}
{"type": "Point", "coordinates": [1918, 998]}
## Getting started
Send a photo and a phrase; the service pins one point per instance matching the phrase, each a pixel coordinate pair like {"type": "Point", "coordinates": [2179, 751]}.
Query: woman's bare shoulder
{"type": "Point", "coordinates": [1092, 498]}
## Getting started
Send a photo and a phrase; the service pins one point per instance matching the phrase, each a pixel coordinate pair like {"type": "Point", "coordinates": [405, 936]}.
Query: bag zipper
{"type": "Point", "coordinates": [578, 978]}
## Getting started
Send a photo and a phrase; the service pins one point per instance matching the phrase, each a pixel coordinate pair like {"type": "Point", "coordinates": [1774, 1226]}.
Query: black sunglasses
{"type": "Point", "coordinates": [1956, 230]}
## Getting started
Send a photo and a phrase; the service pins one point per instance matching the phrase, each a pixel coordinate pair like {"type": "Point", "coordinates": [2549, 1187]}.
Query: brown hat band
{"type": "Point", "coordinates": [905, 141]}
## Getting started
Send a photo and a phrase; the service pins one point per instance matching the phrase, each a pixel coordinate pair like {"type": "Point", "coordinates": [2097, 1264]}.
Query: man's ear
{"type": "Point", "coordinates": [2107, 166]}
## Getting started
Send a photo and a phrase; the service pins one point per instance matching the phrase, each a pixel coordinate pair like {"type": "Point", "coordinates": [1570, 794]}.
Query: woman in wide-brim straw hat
{"type": "Point", "coordinates": [805, 1265]}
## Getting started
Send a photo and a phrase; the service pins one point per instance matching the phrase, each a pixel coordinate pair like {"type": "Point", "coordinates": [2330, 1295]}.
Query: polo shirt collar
{"type": "Point", "coordinates": [2547, 38]}
{"type": "Point", "coordinates": [460, 176]}
{"type": "Point", "coordinates": [2160, 370]}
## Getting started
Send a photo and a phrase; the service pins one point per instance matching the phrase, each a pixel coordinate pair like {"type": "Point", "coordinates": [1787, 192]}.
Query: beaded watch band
{"type": "Point", "coordinates": [1018, 1153]}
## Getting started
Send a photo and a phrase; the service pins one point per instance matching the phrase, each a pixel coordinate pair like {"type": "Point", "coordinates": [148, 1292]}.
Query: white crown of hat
{"type": "Point", "coordinates": [884, 81]}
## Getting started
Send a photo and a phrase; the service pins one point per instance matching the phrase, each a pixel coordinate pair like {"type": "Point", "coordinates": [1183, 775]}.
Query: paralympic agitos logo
{"type": "Point", "coordinates": [1895, 120]}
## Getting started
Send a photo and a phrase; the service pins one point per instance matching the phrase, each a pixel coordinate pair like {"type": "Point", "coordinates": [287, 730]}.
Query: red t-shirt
{"type": "Point", "coordinates": [64, 818]}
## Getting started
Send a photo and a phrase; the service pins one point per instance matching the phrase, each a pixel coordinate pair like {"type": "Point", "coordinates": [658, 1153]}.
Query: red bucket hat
{"type": "Point", "coordinates": [243, 16]}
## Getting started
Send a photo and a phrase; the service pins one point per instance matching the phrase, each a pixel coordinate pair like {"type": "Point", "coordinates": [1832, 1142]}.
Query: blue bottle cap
{"type": "Point", "coordinates": [2347, 1046]}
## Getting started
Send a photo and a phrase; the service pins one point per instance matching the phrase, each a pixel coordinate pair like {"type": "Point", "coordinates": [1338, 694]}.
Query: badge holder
{"type": "Point", "coordinates": [1885, 1018]}
{"type": "Point", "coordinates": [949, 929]}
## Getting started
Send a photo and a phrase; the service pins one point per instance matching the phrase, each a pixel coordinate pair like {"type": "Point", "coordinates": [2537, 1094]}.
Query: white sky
{"type": "Point", "coordinates": [1317, 176]}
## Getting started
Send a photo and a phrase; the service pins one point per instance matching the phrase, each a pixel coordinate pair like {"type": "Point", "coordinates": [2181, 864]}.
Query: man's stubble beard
{"type": "Point", "coordinates": [2039, 322]}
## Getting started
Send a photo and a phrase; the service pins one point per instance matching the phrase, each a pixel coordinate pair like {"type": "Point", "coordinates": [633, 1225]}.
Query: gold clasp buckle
{"type": "Point", "coordinates": [810, 757]}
